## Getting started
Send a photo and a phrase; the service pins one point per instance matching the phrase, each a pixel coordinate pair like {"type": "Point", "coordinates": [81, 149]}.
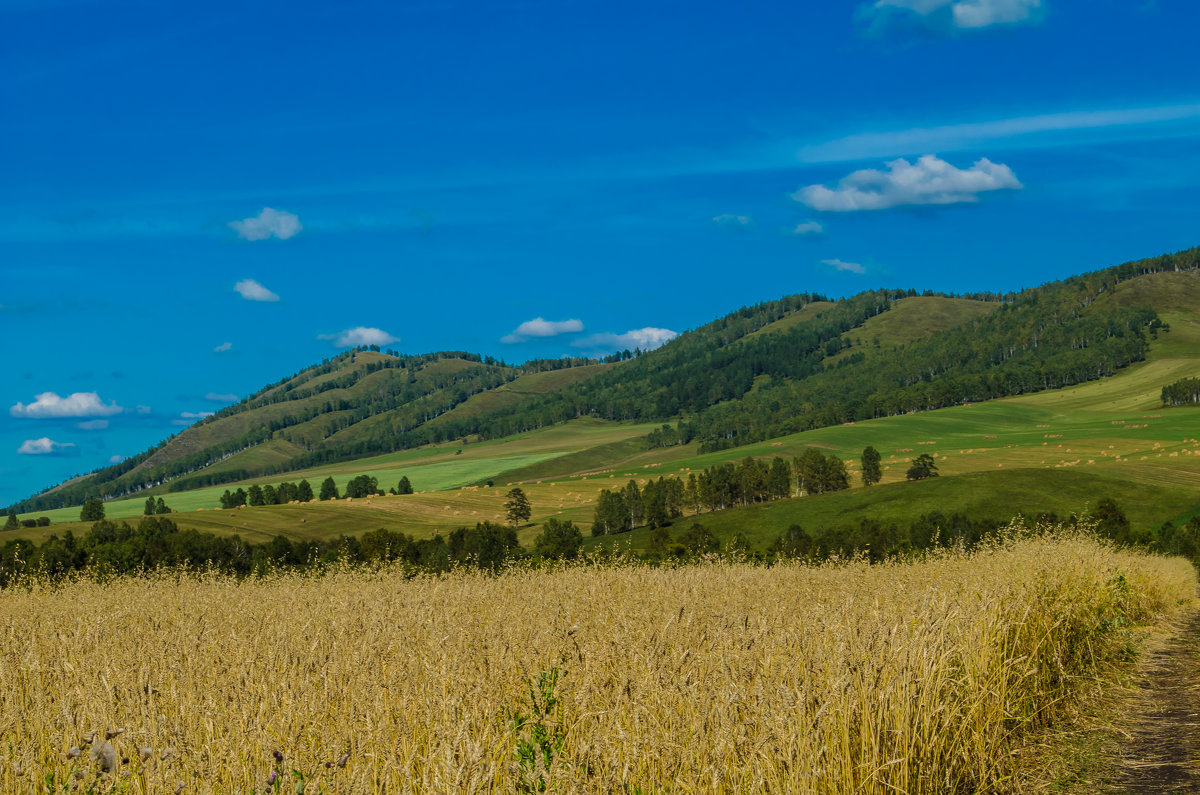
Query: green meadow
{"type": "Point", "coordinates": [1056, 451]}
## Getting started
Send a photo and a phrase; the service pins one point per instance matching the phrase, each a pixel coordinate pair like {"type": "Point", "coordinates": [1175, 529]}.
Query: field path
{"type": "Point", "coordinates": [1162, 751]}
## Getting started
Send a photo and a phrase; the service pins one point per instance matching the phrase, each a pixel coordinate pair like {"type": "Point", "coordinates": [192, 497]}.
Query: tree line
{"type": "Point", "coordinates": [110, 548]}
{"type": "Point", "coordinates": [1184, 392]}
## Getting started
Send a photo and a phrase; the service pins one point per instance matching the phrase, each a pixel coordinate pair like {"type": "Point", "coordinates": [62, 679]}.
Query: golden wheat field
{"type": "Point", "coordinates": [917, 677]}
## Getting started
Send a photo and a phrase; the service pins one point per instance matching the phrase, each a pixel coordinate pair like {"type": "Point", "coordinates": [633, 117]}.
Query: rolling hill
{"type": "Point", "coordinates": [1062, 378]}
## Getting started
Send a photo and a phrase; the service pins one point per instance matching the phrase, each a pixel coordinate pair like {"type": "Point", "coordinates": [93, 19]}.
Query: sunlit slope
{"type": "Point", "coordinates": [431, 470]}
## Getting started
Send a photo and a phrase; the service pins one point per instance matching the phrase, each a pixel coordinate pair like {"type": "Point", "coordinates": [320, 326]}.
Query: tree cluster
{"type": "Point", "coordinates": [257, 495]}
{"type": "Point", "coordinates": [1184, 392]}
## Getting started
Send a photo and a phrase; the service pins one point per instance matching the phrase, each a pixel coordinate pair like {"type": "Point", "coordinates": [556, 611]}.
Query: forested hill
{"type": "Point", "coordinates": [357, 402]}
{"type": "Point", "coordinates": [800, 362]}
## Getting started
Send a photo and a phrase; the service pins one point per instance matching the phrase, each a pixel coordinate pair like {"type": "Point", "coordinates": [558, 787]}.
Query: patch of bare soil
{"type": "Point", "coordinates": [1160, 750]}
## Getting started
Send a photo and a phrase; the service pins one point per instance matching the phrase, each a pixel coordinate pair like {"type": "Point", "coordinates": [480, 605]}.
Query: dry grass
{"type": "Point", "coordinates": [908, 677]}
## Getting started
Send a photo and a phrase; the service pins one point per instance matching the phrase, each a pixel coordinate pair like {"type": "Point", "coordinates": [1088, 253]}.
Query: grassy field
{"type": "Point", "coordinates": [1060, 450]}
{"type": "Point", "coordinates": [917, 677]}
{"type": "Point", "coordinates": [439, 472]}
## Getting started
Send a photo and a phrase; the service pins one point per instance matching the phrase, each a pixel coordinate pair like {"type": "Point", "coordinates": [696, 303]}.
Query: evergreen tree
{"type": "Point", "coordinates": [149, 509]}
{"type": "Point", "coordinates": [270, 495]}
{"type": "Point", "coordinates": [559, 540]}
{"type": "Point", "coordinates": [160, 507]}
{"type": "Point", "coordinates": [227, 500]}
{"type": "Point", "coordinates": [12, 523]}
{"type": "Point", "coordinates": [255, 496]}
{"type": "Point", "coordinates": [92, 511]}
{"type": "Point", "coordinates": [329, 490]}
{"type": "Point", "coordinates": [872, 472]}
{"type": "Point", "coordinates": [517, 507]}
{"type": "Point", "coordinates": [660, 541]}
{"type": "Point", "coordinates": [834, 476]}
{"type": "Point", "coordinates": [610, 515]}
{"type": "Point", "coordinates": [304, 491]}
{"type": "Point", "coordinates": [922, 467]}
{"type": "Point", "coordinates": [405, 486]}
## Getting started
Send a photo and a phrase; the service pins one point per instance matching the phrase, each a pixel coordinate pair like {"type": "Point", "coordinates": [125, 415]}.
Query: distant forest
{"type": "Point", "coordinates": [722, 384]}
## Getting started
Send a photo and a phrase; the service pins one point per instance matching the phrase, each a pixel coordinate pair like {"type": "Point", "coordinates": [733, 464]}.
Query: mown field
{"type": "Point", "coordinates": [927, 676]}
{"type": "Point", "coordinates": [1059, 451]}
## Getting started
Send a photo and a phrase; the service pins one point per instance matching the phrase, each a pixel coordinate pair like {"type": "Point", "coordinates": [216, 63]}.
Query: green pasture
{"type": "Point", "coordinates": [991, 495]}
{"type": "Point", "coordinates": [432, 468]}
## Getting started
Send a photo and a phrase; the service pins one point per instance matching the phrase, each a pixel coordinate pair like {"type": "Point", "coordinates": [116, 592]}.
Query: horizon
{"type": "Point", "coordinates": [208, 199]}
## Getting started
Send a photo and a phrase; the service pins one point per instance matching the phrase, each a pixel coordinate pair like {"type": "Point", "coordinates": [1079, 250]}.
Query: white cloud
{"type": "Point", "coordinates": [845, 267]}
{"type": "Point", "coordinates": [253, 291]}
{"type": "Point", "coordinates": [268, 223]}
{"type": "Point", "coordinates": [647, 339]}
{"type": "Point", "coordinates": [225, 346]}
{"type": "Point", "coordinates": [44, 446]}
{"type": "Point", "coordinates": [221, 397]}
{"type": "Point", "coordinates": [116, 459]}
{"type": "Point", "coordinates": [995, 132]}
{"type": "Point", "coordinates": [359, 335]}
{"type": "Point", "coordinates": [729, 219]}
{"type": "Point", "coordinates": [928, 181]}
{"type": "Point", "coordinates": [49, 405]}
{"type": "Point", "coordinates": [540, 327]}
{"type": "Point", "coordinates": [809, 229]}
{"type": "Point", "coordinates": [969, 14]}
{"type": "Point", "coordinates": [143, 409]}
{"type": "Point", "coordinates": [92, 425]}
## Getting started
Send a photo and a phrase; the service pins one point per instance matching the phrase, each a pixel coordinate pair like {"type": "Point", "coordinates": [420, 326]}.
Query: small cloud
{"type": "Point", "coordinates": [359, 335]}
{"type": "Point", "coordinates": [928, 181]}
{"type": "Point", "coordinates": [45, 446]}
{"type": "Point", "coordinates": [221, 397]}
{"type": "Point", "coordinates": [540, 327]}
{"type": "Point", "coordinates": [48, 405]}
{"type": "Point", "coordinates": [647, 339]}
{"type": "Point", "coordinates": [844, 267]}
{"type": "Point", "coordinates": [731, 220]}
{"type": "Point", "coordinates": [224, 347]}
{"type": "Point", "coordinates": [116, 459]}
{"type": "Point", "coordinates": [955, 14]}
{"type": "Point", "coordinates": [143, 409]}
{"type": "Point", "coordinates": [92, 425]}
{"type": "Point", "coordinates": [268, 223]}
{"type": "Point", "coordinates": [809, 229]}
{"type": "Point", "coordinates": [253, 291]}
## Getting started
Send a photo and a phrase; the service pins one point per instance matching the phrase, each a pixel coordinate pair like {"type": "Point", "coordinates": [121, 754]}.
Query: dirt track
{"type": "Point", "coordinates": [1162, 751]}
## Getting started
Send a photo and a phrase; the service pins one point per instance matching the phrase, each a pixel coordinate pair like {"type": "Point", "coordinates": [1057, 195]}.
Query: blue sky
{"type": "Point", "coordinates": [199, 199]}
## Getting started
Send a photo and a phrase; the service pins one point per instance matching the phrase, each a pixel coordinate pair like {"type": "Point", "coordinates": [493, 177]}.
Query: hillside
{"type": "Point", "coordinates": [799, 363]}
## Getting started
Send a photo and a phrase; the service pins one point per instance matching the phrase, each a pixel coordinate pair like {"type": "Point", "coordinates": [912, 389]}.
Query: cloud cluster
{"type": "Point", "coordinates": [48, 405]}
{"type": "Point", "coordinates": [359, 335]}
{"type": "Point", "coordinates": [844, 267]}
{"type": "Point", "coordinates": [540, 327]}
{"type": "Point", "coordinates": [809, 229]}
{"type": "Point", "coordinates": [251, 291]}
{"type": "Point", "coordinates": [647, 339]}
{"type": "Point", "coordinates": [224, 347]}
{"type": "Point", "coordinates": [930, 180]}
{"type": "Point", "coordinates": [268, 223]}
{"type": "Point", "coordinates": [45, 446]}
{"type": "Point", "coordinates": [965, 14]}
